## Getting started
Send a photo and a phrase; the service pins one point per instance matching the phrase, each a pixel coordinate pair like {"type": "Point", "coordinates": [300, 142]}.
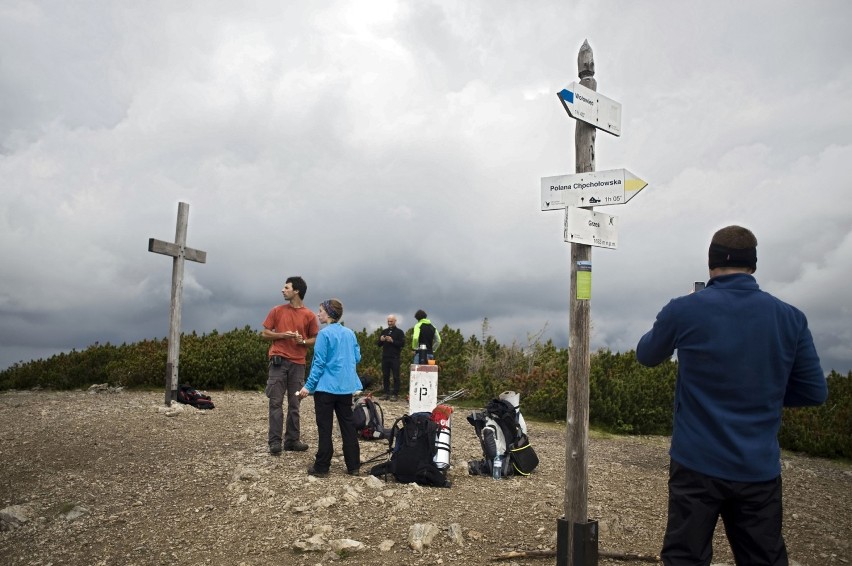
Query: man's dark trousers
{"type": "Point", "coordinates": [390, 365]}
{"type": "Point", "coordinates": [751, 513]}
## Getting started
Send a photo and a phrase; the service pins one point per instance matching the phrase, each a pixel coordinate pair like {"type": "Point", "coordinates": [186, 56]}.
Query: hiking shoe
{"type": "Point", "coordinates": [385, 397]}
{"type": "Point", "coordinates": [295, 446]}
{"type": "Point", "coordinates": [275, 448]}
{"type": "Point", "coordinates": [312, 471]}
{"type": "Point", "coordinates": [395, 398]}
{"type": "Point", "coordinates": [356, 472]}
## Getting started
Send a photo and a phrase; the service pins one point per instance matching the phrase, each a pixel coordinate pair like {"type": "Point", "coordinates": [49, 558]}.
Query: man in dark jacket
{"type": "Point", "coordinates": [743, 355]}
{"type": "Point", "coordinates": [391, 340]}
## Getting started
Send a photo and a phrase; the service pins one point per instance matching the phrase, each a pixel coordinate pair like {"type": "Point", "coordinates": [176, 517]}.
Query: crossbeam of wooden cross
{"type": "Point", "coordinates": [179, 252]}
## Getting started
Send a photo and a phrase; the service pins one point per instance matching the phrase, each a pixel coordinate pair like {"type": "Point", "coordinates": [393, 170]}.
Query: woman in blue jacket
{"type": "Point", "coordinates": [332, 382]}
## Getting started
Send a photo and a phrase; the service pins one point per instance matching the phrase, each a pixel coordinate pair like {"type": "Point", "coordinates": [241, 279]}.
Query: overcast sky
{"type": "Point", "coordinates": [391, 153]}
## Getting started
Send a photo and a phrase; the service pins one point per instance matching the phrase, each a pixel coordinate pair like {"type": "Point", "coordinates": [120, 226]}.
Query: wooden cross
{"type": "Point", "coordinates": [179, 252]}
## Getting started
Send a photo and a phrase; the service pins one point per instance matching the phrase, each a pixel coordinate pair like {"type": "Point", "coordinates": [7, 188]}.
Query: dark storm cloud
{"type": "Point", "coordinates": [391, 154]}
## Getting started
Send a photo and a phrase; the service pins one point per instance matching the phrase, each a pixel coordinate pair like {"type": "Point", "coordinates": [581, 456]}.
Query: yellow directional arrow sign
{"type": "Point", "coordinates": [596, 188]}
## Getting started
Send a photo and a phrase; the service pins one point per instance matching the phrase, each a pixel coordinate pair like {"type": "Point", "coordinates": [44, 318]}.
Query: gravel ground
{"type": "Point", "coordinates": [114, 478]}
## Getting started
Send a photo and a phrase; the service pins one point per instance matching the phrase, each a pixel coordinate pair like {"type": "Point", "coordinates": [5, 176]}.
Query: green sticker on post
{"type": "Point", "coordinates": [584, 280]}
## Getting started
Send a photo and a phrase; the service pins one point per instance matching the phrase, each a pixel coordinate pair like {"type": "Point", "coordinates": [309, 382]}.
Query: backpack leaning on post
{"type": "Point", "coordinates": [188, 395]}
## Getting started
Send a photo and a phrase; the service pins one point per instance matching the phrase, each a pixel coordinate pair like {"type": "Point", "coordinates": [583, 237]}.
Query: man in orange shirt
{"type": "Point", "coordinates": [291, 327]}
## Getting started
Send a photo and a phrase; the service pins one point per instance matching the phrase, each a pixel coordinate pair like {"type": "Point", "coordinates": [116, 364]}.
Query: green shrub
{"type": "Point", "coordinates": [234, 360]}
{"type": "Point", "coordinates": [825, 430]}
{"type": "Point", "coordinates": [624, 396]}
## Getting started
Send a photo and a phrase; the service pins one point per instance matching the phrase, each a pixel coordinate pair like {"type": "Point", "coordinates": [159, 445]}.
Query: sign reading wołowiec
{"type": "Point", "coordinates": [596, 188]}
{"type": "Point", "coordinates": [587, 105]}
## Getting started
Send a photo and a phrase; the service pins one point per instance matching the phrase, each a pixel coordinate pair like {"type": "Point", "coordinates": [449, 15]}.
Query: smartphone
{"type": "Point", "coordinates": [697, 286]}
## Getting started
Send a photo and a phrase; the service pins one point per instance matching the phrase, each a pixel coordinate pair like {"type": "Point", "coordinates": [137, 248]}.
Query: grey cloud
{"type": "Point", "coordinates": [394, 158]}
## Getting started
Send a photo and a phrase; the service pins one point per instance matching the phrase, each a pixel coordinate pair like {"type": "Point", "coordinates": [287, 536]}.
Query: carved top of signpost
{"type": "Point", "coordinates": [586, 65]}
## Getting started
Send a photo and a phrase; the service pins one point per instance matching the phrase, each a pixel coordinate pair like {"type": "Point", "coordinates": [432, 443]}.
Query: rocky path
{"type": "Point", "coordinates": [116, 479]}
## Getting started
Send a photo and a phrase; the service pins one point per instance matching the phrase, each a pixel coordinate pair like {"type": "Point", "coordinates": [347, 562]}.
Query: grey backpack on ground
{"type": "Point", "coordinates": [369, 419]}
{"type": "Point", "coordinates": [500, 432]}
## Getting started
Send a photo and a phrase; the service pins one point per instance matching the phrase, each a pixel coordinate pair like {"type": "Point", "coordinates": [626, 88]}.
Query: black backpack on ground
{"type": "Point", "coordinates": [369, 419]}
{"type": "Point", "coordinates": [498, 429]}
{"type": "Point", "coordinates": [412, 447]}
{"type": "Point", "coordinates": [188, 395]}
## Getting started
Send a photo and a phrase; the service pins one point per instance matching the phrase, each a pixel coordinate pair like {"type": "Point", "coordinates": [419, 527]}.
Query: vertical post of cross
{"type": "Point", "coordinates": [179, 252]}
{"type": "Point", "coordinates": [574, 532]}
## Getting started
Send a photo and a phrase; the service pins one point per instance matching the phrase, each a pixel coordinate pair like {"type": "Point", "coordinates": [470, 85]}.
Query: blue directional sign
{"type": "Point", "coordinates": [587, 105]}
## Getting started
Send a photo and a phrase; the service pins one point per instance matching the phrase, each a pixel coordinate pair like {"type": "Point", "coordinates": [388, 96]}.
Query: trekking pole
{"type": "Point", "coordinates": [453, 395]}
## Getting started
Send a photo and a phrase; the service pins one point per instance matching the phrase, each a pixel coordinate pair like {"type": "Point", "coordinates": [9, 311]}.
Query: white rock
{"type": "Point", "coordinates": [172, 411]}
{"type": "Point", "coordinates": [454, 532]}
{"type": "Point", "coordinates": [325, 502]}
{"type": "Point", "coordinates": [14, 516]}
{"type": "Point", "coordinates": [420, 535]}
{"type": "Point", "coordinates": [75, 513]}
{"type": "Point", "coordinates": [245, 474]}
{"type": "Point", "coordinates": [386, 545]}
{"type": "Point", "coordinates": [351, 496]}
{"type": "Point", "coordinates": [316, 543]}
{"type": "Point", "coordinates": [346, 545]}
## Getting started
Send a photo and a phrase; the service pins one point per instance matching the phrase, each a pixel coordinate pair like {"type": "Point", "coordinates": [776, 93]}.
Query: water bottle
{"type": "Point", "coordinates": [442, 415]}
{"type": "Point", "coordinates": [497, 467]}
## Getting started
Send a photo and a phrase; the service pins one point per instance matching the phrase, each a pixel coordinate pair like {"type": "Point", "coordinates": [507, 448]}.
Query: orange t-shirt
{"type": "Point", "coordinates": [284, 318]}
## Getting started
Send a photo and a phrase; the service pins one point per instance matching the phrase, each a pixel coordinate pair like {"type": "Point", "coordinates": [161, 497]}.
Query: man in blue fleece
{"type": "Point", "coordinates": [742, 355]}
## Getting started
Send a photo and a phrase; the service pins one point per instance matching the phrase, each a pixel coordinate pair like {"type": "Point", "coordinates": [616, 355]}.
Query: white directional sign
{"type": "Point", "coordinates": [587, 105]}
{"type": "Point", "coordinates": [584, 226]}
{"type": "Point", "coordinates": [596, 188]}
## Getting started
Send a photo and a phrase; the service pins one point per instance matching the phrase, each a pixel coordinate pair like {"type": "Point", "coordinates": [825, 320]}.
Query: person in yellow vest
{"type": "Point", "coordinates": [425, 334]}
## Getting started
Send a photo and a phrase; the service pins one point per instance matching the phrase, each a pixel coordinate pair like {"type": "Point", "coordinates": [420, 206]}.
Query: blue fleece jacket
{"type": "Point", "coordinates": [742, 356]}
{"type": "Point", "coordinates": [336, 352]}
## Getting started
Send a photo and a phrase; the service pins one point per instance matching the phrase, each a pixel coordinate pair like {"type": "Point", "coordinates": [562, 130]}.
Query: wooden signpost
{"type": "Point", "coordinates": [179, 252]}
{"type": "Point", "coordinates": [576, 534]}
{"type": "Point", "coordinates": [572, 536]}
